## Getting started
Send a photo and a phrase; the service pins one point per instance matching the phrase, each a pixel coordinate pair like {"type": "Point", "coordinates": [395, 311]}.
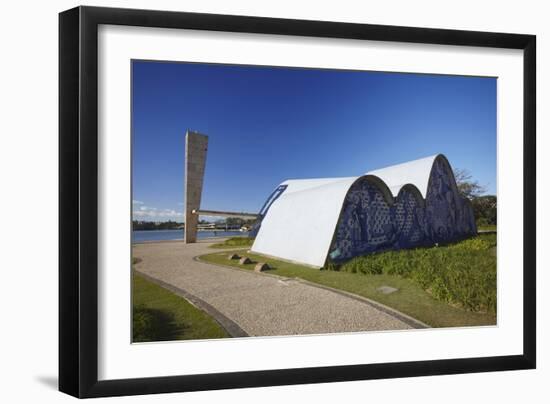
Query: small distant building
{"type": "Point", "coordinates": [402, 206]}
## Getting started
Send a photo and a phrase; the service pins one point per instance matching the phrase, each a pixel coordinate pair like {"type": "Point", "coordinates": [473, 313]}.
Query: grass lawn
{"type": "Point", "coordinates": [234, 242]}
{"type": "Point", "coordinates": [489, 227]}
{"type": "Point", "coordinates": [160, 315]}
{"type": "Point", "coordinates": [411, 298]}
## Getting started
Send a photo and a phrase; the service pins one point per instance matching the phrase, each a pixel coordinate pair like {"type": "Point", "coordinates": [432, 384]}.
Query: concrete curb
{"type": "Point", "coordinates": [411, 321]}
{"type": "Point", "coordinates": [232, 328]}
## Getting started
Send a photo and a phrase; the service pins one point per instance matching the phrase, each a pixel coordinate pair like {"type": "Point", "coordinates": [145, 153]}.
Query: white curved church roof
{"type": "Point", "coordinates": [300, 223]}
{"type": "Point", "coordinates": [416, 172]}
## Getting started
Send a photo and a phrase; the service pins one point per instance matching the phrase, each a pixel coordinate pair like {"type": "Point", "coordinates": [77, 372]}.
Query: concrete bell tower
{"type": "Point", "coordinates": [196, 146]}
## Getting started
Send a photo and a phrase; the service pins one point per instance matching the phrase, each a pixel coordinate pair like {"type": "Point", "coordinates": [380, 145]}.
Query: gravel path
{"type": "Point", "coordinates": [258, 304]}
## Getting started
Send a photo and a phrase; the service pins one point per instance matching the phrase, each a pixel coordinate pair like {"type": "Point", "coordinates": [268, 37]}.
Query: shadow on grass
{"type": "Point", "coordinates": [155, 325]}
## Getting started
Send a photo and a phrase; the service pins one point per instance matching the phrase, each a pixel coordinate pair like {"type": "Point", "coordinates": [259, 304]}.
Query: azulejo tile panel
{"type": "Point", "coordinates": [371, 222]}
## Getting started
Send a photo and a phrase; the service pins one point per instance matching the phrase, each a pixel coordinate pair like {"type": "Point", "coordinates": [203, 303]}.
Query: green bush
{"type": "Point", "coordinates": [475, 244]}
{"type": "Point", "coordinates": [235, 242]}
{"type": "Point", "coordinates": [239, 241]}
{"type": "Point", "coordinates": [331, 266]}
{"type": "Point", "coordinates": [462, 273]}
{"type": "Point", "coordinates": [481, 222]}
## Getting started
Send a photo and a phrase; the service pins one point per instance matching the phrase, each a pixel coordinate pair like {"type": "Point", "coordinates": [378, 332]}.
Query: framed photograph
{"type": "Point", "coordinates": [250, 201]}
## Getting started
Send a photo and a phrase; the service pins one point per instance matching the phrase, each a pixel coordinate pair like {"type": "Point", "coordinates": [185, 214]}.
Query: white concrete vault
{"type": "Point", "coordinates": [406, 205]}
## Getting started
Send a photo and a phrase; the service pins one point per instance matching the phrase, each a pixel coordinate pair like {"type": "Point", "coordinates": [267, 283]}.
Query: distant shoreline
{"type": "Point", "coordinates": [140, 236]}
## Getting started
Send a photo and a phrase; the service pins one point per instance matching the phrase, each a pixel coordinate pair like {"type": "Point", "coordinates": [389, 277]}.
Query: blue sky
{"type": "Point", "coordinates": [266, 125]}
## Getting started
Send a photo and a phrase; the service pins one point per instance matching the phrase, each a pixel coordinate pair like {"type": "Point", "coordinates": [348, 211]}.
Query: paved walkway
{"type": "Point", "coordinates": [247, 303]}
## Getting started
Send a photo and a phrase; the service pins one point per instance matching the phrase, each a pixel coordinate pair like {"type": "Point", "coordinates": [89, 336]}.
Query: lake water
{"type": "Point", "coordinates": [140, 236]}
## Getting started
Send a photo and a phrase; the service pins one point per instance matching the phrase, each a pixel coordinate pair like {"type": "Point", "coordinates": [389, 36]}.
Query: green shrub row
{"type": "Point", "coordinates": [235, 242]}
{"type": "Point", "coordinates": [239, 241]}
{"type": "Point", "coordinates": [462, 274]}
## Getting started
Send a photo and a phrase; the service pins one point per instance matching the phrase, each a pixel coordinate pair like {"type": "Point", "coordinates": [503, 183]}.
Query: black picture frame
{"type": "Point", "coordinates": [78, 201]}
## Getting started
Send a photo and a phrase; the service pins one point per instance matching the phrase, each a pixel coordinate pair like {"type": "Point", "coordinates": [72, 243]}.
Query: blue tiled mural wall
{"type": "Point", "coordinates": [369, 222]}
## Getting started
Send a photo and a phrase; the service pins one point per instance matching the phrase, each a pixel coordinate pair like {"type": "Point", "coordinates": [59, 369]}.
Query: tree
{"type": "Point", "coordinates": [485, 210]}
{"type": "Point", "coordinates": [468, 187]}
{"type": "Point", "coordinates": [484, 206]}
